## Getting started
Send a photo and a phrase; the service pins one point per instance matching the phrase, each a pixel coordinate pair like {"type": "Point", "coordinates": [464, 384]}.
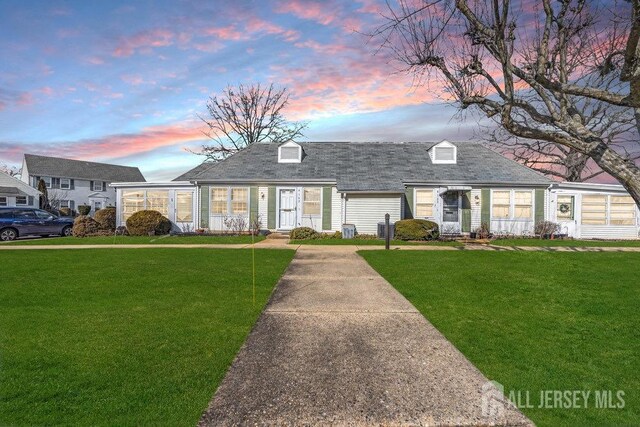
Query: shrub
{"type": "Point", "coordinates": [303, 233]}
{"type": "Point", "coordinates": [84, 226]}
{"type": "Point", "coordinates": [106, 218]}
{"type": "Point", "coordinates": [416, 229]}
{"type": "Point", "coordinates": [546, 228]}
{"type": "Point", "coordinates": [145, 223]}
{"type": "Point", "coordinates": [330, 236]}
{"type": "Point", "coordinates": [84, 209]}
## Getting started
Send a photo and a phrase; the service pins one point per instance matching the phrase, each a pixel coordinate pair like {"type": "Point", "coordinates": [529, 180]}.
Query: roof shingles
{"type": "Point", "coordinates": [80, 169]}
{"type": "Point", "coordinates": [385, 167]}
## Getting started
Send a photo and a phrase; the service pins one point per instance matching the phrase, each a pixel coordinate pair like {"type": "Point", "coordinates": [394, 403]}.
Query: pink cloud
{"type": "Point", "coordinates": [144, 42]}
{"type": "Point", "coordinates": [109, 146]}
{"type": "Point", "coordinates": [309, 10]}
{"type": "Point", "coordinates": [226, 33]}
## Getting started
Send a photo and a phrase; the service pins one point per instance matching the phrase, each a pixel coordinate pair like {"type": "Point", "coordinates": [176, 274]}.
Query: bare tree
{"type": "Point", "coordinates": [246, 115]}
{"type": "Point", "coordinates": [44, 194]}
{"type": "Point", "coordinates": [565, 73]}
{"type": "Point", "coordinates": [10, 170]}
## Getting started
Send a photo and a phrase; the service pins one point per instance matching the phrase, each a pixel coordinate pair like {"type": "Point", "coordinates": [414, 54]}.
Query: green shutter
{"type": "Point", "coordinates": [539, 215]}
{"type": "Point", "coordinates": [408, 203]}
{"type": "Point", "coordinates": [253, 203]}
{"type": "Point", "coordinates": [485, 210]}
{"type": "Point", "coordinates": [204, 206]}
{"type": "Point", "coordinates": [271, 206]}
{"type": "Point", "coordinates": [326, 208]}
{"type": "Point", "coordinates": [466, 212]}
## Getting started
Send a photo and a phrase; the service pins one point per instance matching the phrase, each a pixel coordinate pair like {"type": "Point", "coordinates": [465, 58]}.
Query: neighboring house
{"type": "Point", "coordinates": [14, 192]}
{"type": "Point", "coordinates": [71, 183]}
{"type": "Point", "coordinates": [324, 185]}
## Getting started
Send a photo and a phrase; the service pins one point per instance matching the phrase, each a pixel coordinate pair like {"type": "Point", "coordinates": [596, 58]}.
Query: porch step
{"type": "Point", "coordinates": [278, 235]}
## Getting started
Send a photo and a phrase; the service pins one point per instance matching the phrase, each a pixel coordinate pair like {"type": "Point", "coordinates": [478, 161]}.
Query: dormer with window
{"type": "Point", "coordinates": [289, 152]}
{"type": "Point", "coordinates": [444, 153]}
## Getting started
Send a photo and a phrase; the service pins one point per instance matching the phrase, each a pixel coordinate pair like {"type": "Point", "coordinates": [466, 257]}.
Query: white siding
{"type": "Point", "coordinates": [263, 205]}
{"type": "Point", "coordinates": [366, 211]}
{"type": "Point", "coordinates": [336, 210]}
{"type": "Point", "coordinates": [608, 231]}
{"type": "Point", "coordinates": [476, 209]}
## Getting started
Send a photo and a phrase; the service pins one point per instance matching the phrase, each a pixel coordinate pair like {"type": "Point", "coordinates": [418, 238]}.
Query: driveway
{"type": "Point", "coordinates": [337, 344]}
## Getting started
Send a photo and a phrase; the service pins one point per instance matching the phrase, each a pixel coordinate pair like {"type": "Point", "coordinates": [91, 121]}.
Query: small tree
{"type": "Point", "coordinates": [245, 115]}
{"type": "Point", "coordinates": [44, 196]}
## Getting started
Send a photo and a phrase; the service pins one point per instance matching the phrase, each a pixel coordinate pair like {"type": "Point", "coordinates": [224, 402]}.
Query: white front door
{"type": "Point", "coordinates": [287, 209]}
{"type": "Point", "coordinates": [450, 213]}
{"type": "Point", "coordinates": [566, 214]}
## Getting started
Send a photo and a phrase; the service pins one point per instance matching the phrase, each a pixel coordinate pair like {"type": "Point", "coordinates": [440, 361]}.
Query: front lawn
{"type": "Point", "coordinates": [139, 240]}
{"type": "Point", "coordinates": [534, 321]}
{"type": "Point", "coordinates": [367, 242]}
{"type": "Point", "coordinates": [123, 337]}
{"type": "Point", "coordinates": [566, 242]}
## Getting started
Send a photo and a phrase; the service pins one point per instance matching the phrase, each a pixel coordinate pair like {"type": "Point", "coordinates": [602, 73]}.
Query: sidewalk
{"type": "Point", "coordinates": [338, 345]}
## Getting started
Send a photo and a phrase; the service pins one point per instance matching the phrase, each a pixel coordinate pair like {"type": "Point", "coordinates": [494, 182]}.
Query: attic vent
{"type": "Point", "coordinates": [445, 153]}
{"type": "Point", "coordinates": [289, 152]}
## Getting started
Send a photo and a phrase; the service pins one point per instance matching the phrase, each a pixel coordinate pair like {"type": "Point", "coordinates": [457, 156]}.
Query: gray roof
{"type": "Point", "coordinates": [80, 169]}
{"type": "Point", "coordinates": [11, 186]}
{"type": "Point", "coordinates": [372, 167]}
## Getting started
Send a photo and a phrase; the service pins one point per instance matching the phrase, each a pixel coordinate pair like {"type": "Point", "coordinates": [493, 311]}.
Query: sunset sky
{"type": "Point", "coordinates": [123, 82]}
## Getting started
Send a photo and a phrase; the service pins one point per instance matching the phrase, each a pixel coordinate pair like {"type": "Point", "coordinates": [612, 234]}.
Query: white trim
{"type": "Point", "coordinates": [512, 204]}
{"type": "Point", "coordinates": [68, 181]}
{"type": "Point", "coordinates": [444, 144]}
{"type": "Point", "coordinates": [295, 195]}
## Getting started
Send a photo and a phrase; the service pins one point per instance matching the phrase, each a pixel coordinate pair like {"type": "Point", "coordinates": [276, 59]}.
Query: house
{"type": "Point", "coordinates": [324, 185]}
{"type": "Point", "coordinates": [14, 192]}
{"type": "Point", "coordinates": [72, 183]}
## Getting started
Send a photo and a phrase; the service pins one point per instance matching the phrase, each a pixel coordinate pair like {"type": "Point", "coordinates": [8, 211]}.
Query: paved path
{"type": "Point", "coordinates": [337, 344]}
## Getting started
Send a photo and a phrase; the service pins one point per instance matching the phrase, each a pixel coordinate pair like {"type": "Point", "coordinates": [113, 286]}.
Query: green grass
{"type": "Point", "coordinates": [363, 242]}
{"type": "Point", "coordinates": [567, 242]}
{"type": "Point", "coordinates": [138, 240]}
{"type": "Point", "coordinates": [126, 337]}
{"type": "Point", "coordinates": [534, 321]}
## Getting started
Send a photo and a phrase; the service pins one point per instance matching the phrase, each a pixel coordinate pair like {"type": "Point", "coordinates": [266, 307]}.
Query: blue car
{"type": "Point", "coordinates": [19, 222]}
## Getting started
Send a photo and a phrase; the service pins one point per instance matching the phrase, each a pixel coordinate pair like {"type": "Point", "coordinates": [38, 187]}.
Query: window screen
{"type": "Point", "coordinates": [594, 210]}
{"type": "Point", "coordinates": [311, 203]}
{"type": "Point", "coordinates": [623, 211]}
{"type": "Point", "coordinates": [445, 154]}
{"type": "Point", "coordinates": [424, 203]}
{"type": "Point", "coordinates": [501, 203]}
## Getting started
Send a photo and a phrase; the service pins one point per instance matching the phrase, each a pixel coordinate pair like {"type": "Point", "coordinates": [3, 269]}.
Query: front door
{"type": "Point", "coordinates": [450, 213]}
{"type": "Point", "coordinates": [565, 214]}
{"type": "Point", "coordinates": [287, 209]}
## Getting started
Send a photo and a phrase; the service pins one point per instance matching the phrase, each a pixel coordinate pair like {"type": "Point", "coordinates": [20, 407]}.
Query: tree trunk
{"type": "Point", "coordinates": [624, 170]}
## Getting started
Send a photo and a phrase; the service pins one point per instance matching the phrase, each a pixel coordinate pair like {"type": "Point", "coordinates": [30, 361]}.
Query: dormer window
{"type": "Point", "coordinates": [444, 153]}
{"type": "Point", "coordinates": [289, 152]}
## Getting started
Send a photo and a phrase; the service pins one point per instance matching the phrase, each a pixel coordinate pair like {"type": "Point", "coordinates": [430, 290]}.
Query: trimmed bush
{"type": "Point", "coordinates": [416, 229]}
{"type": "Point", "coordinates": [106, 218]}
{"type": "Point", "coordinates": [546, 228]}
{"type": "Point", "coordinates": [84, 226]}
{"type": "Point", "coordinates": [67, 212]}
{"type": "Point", "coordinates": [303, 233]}
{"type": "Point", "coordinates": [84, 209]}
{"type": "Point", "coordinates": [148, 223]}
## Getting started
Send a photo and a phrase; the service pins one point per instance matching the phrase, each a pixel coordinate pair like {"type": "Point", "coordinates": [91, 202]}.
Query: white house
{"type": "Point", "coordinates": [71, 183]}
{"type": "Point", "coordinates": [14, 192]}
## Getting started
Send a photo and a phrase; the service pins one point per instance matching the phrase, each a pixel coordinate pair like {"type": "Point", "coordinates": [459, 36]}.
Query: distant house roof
{"type": "Point", "coordinates": [80, 169]}
{"type": "Point", "coordinates": [368, 167]}
{"type": "Point", "coordinates": [10, 186]}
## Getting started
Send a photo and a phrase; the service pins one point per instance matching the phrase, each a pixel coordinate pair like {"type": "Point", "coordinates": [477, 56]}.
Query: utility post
{"type": "Point", "coordinates": [387, 237]}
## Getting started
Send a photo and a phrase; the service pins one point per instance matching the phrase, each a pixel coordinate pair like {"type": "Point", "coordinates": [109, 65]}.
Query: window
{"type": "Point", "coordinates": [565, 208]}
{"type": "Point", "coordinates": [64, 204]}
{"type": "Point", "coordinates": [158, 201]}
{"type": "Point", "coordinates": [219, 200]}
{"type": "Point", "coordinates": [132, 202]}
{"type": "Point", "coordinates": [594, 209]}
{"type": "Point", "coordinates": [623, 211]}
{"type": "Point", "coordinates": [97, 206]}
{"type": "Point", "coordinates": [47, 181]}
{"type": "Point", "coordinates": [184, 206]}
{"type": "Point", "coordinates": [523, 205]}
{"type": "Point", "coordinates": [21, 200]}
{"type": "Point", "coordinates": [424, 203]}
{"type": "Point", "coordinates": [311, 201]}
{"type": "Point", "coordinates": [239, 204]}
{"type": "Point", "coordinates": [3, 201]}
{"type": "Point", "coordinates": [65, 183]}
{"type": "Point", "coordinates": [289, 152]}
{"type": "Point", "coordinates": [97, 186]}
{"type": "Point", "coordinates": [501, 204]}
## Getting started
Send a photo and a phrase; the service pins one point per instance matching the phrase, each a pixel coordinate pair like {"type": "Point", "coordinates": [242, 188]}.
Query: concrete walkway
{"type": "Point", "coordinates": [337, 344]}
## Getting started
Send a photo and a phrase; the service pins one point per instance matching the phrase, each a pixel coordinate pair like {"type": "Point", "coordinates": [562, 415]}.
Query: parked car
{"type": "Point", "coordinates": [19, 222]}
